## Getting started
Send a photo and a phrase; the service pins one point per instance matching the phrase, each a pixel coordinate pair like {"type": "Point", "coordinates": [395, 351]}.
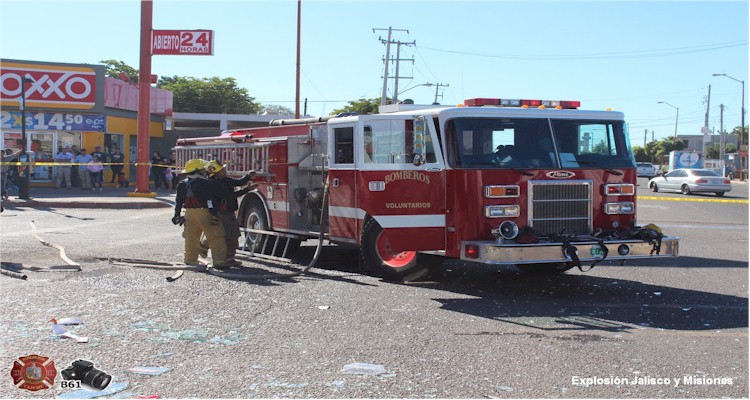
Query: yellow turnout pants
{"type": "Point", "coordinates": [197, 221]}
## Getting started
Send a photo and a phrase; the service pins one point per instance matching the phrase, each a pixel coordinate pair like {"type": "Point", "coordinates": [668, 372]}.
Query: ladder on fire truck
{"type": "Point", "coordinates": [240, 158]}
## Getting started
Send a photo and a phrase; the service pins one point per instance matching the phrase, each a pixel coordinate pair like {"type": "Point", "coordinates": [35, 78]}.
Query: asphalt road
{"type": "Point", "coordinates": [472, 334]}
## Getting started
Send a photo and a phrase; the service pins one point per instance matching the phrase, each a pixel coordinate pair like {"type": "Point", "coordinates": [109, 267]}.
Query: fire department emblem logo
{"type": "Point", "coordinates": [560, 174]}
{"type": "Point", "coordinates": [33, 373]}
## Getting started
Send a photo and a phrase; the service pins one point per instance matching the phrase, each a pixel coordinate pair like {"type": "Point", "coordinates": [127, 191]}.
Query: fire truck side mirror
{"type": "Point", "coordinates": [418, 140]}
{"type": "Point", "coordinates": [418, 159]}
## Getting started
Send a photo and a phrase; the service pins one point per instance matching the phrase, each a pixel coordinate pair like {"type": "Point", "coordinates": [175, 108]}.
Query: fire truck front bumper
{"type": "Point", "coordinates": [494, 252]}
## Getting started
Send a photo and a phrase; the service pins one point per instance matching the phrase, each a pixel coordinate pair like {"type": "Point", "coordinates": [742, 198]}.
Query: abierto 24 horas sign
{"type": "Point", "coordinates": [198, 42]}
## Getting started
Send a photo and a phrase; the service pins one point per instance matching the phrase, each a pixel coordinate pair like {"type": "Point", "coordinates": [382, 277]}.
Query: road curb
{"type": "Point", "coordinates": [64, 204]}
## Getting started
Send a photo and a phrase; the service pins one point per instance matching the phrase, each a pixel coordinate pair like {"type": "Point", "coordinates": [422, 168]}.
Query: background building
{"type": "Point", "coordinates": [73, 105]}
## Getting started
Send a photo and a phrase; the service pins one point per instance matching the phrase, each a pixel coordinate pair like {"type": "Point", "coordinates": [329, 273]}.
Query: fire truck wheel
{"type": "Point", "coordinates": [545, 269]}
{"type": "Point", "coordinates": [379, 260]}
{"type": "Point", "coordinates": [256, 219]}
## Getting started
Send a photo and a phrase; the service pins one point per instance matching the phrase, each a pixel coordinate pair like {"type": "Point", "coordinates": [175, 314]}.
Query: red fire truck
{"type": "Point", "coordinates": [537, 184]}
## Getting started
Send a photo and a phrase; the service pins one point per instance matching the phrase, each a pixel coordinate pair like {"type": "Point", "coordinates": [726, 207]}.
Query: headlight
{"type": "Point", "coordinates": [502, 211]}
{"type": "Point", "coordinates": [619, 208]}
{"type": "Point", "coordinates": [619, 189]}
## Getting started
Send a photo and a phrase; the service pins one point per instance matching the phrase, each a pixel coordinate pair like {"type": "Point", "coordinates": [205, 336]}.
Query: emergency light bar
{"type": "Point", "coordinates": [558, 104]}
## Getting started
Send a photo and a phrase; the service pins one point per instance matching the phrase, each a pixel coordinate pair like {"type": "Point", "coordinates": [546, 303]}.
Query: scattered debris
{"type": "Point", "coordinates": [149, 370]}
{"type": "Point", "coordinates": [176, 276]}
{"type": "Point", "coordinates": [12, 274]}
{"type": "Point", "coordinates": [58, 329]}
{"type": "Point", "coordinates": [336, 385]}
{"type": "Point", "coordinates": [67, 321]}
{"type": "Point", "coordinates": [56, 246]}
{"type": "Point", "coordinates": [363, 369]}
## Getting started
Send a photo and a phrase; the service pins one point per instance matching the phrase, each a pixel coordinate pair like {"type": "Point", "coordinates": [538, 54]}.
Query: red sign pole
{"type": "Point", "coordinates": [144, 99]}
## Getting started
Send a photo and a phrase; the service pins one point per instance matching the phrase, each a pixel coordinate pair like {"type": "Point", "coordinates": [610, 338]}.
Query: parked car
{"type": "Point", "coordinates": [646, 169]}
{"type": "Point", "coordinates": [688, 181]}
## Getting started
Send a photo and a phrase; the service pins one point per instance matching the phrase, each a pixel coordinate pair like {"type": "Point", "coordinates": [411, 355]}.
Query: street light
{"type": "Point", "coordinates": [742, 126]}
{"type": "Point", "coordinates": [23, 190]}
{"type": "Point", "coordinates": [675, 119]}
{"type": "Point", "coordinates": [418, 85]}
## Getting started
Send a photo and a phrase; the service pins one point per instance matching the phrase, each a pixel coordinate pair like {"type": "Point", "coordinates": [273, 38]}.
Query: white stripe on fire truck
{"type": "Point", "coordinates": [346, 212]}
{"type": "Point", "coordinates": [391, 221]}
{"type": "Point", "coordinates": [411, 221]}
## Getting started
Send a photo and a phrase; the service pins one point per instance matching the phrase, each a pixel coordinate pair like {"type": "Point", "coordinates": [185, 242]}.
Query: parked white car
{"type": "Point", "coordinates": [689, 181]}
{"type": "Point", "coordinates": [646, 169]}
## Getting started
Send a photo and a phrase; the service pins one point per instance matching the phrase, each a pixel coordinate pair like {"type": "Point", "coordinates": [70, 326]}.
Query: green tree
{"type": "Point", "coordinates": [361, 106]}
{"type": "Point", "coordinates": [281, 110]}
{"type": "Point", "coordinates": [640, 154]}
{"type": "Point", "coordinates": [113, 69]}
{"type": "Point", "coordinates": [209, 95]}
{"type": "Point", "coordinates": [662, 148]}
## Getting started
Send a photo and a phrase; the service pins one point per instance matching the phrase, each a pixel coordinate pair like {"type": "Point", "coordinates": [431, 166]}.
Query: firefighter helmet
{"type": "Point", "coordinates": [213, 167]}
{"type": "Point", "coordinates": [194, 165]}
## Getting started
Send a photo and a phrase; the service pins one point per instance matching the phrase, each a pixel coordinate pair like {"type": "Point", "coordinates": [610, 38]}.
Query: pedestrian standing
{"type": "Point", "coordinates": [198, 195]}
{"type": "Point", "coordinates": [83, 161]}
{"type": "Point", "coordinates": [96, 171]}
{"type": "Point", "coordinates": [157, 170]}
{"type": "Point", "coordinates": [7, 156]}
{"type": "Point", "coordinates": [75, 177]}
{"type": "Point", "coordinates": [116, 160]}
{"type": "Point", "coordinates": [64, 158]}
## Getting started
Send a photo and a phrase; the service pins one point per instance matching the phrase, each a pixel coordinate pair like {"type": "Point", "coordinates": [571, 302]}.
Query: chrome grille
{"type": "Point", "coordinates": [560, 207]}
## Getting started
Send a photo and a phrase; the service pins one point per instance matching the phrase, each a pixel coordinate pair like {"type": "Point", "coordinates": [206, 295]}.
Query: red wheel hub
{"type": "Point", "coordinates": [391, 258]}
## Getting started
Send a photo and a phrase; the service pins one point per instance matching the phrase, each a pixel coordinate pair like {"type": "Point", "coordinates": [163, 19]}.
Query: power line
{"type": "Point", "coordinates": [620, 54]}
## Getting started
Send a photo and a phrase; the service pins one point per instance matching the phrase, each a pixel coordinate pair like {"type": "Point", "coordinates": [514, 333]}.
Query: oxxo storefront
{"type": "Point", "coordinates": [73, 105]}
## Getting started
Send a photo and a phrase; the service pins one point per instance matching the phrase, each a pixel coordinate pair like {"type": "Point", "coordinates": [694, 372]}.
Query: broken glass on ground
{"type": "Point", "coordinates": [363, 369]}
{"type": "Point", "coordinates": [148, 370]}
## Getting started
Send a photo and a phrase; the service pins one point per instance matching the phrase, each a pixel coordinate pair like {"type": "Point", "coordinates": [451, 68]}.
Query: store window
{"type": "Point", "coordinates": [67, 139]}
{"type": "Point", "coordinates": [112, 140]}
{"type": "Point", "coordinates": [42, 145]}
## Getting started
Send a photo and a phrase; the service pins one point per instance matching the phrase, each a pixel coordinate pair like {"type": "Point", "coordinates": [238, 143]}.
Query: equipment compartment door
{"type": "Point", "coordinates": [406, 198]}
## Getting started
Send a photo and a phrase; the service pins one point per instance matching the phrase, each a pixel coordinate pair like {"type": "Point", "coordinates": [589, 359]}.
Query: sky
{"type": "Point", "coordinates": [624, 56]}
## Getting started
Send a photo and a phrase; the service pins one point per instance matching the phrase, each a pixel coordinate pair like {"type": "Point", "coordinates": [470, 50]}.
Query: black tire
{"type": "Point", "coordinates": [685, 189]}
{"type": "Point", "coordinates": [545, 269]}
{"type": "Point", "coordinates": [255, 219]}
{"type": "Point", "coordinates": [654, 187]}
{"type": "Point", "coordinates": [377, 260]}
{"type": "Point", "coordinates": [720, 194]}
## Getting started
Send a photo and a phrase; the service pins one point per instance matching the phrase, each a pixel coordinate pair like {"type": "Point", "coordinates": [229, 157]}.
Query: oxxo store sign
{"type": "Point", "coordinates": [51, 86]}
{"type": "Point", "coordinates": [64, 106]}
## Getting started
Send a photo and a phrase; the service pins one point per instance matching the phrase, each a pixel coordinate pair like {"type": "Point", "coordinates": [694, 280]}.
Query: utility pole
{"type": "Point", "coordinates": [705, 131]}
{"type": "Point", "coordinates": [721, 139]}
{"type": "Point", "coordinates": [708, 106]}
{"type": "Point", "coordinates": [645, 135]}
{"type": "Point", "coordinates": [388, 42]}
{"type": "Point", "coordinates": [437, 87]}
{"type": "Point", "coordinates": [398, 59]}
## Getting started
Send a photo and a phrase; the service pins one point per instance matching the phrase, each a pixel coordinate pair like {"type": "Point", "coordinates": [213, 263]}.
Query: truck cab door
{"type": "Point", "coordinates": [400, 183]}
{"type": "Point", "coordinates": [342, 184]}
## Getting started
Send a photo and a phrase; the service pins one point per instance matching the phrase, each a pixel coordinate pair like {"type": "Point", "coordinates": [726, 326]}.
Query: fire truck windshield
{"type": "Point", "coordinates": [537, 143]}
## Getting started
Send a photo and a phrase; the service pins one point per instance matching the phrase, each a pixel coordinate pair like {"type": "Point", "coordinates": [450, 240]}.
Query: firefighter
{"type": "Point", "coordinates": [199, 196]}
{"type": "Point", "coordinates": [228, 205]}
